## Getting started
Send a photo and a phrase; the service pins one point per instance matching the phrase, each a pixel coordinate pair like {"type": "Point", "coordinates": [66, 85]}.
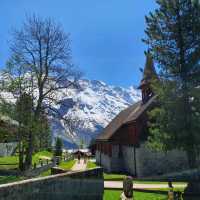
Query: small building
{"type": "Point", "coordinates": [8, 138]}
{"type": "Point", "coordinates": [81, 152]}
{"type": "Point", "coordinates": [121, 145]}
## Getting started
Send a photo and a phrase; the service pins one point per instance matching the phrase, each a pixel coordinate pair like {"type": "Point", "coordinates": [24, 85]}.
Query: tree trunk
{"type": "Point", "coordinates": [21, 148]}
{"type": "Point", "coordinates": [21, 156]}
{"type": "Point", "coordinates": [29, 152]}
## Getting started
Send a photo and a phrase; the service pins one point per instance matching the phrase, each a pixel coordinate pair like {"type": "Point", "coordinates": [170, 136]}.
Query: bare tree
{"type": "Point", "coordinates": [40, 65]}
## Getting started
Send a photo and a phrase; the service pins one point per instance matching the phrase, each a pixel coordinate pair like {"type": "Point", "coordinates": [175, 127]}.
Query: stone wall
{"type": "Point", "coordinates": [151, 163]}
{"type": "Point", "coordinates": [7, 149]}
{"type": "Point", "coordinates": [84, 185]}
{"type": "Point", "coordinates": [148, 163]}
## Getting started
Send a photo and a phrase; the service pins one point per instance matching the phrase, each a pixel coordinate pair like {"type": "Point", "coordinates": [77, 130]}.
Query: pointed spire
{"type": "Point", "coordinates": [149, 71]}
{"type": "Point", "coordinates": [149, 74]}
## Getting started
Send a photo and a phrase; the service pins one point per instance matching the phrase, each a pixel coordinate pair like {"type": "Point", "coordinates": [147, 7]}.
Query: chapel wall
{"type": "Point", "coordinates": [128, 155]}
{"type": "Point", "coordinates": [152, 163]}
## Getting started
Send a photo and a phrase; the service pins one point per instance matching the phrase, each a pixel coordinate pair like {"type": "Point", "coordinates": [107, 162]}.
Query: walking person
{"type": "Point", "coordinates": [79, 157]}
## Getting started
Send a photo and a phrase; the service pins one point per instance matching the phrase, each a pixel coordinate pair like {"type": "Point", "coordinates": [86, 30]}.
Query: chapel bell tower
{"type": "Point", "coordinates": [149, 74]}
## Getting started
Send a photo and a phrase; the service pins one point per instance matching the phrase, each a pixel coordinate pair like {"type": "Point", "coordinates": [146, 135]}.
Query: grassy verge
{"type": "Point", "coordinates": [114, 194]}
{"type": "Point", "coordinates": [167, 189]}
{"type": "Point", "coordinates": [64, 165]}
{"type": "Point", "coordinates": [91, 165]}
{"type": "Point", "coordinates": [13, 164]}
{"type": "Point", "coordinates": [67, 165]}
{"type": "Point", "coordinates": [9, 179]}
{"type": "Point", "coordinates": [36, 157]}
{"type": "Point", "coordinates": [13, 160]}
{"type": "Point", "coordinates": [120, 177]}
{"type": "Point", "coordinates": [114, 177]}
{"type": "Point", "coordinates": [156, 182]}
{"type": "Point", "coordinates": [45, 173]}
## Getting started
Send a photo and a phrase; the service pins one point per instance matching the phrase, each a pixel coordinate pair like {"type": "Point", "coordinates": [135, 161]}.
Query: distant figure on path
{"type": "Point", "coordinates": [79, 157]}
{"type": "Point", "coordinates": [85, 159]}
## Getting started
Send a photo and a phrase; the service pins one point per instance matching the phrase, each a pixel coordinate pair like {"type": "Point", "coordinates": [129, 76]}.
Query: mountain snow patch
{"type": "Point", "coordinates": [94, 105]}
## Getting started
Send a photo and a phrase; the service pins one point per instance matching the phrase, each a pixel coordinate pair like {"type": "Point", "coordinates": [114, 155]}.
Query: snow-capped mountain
{"type": "Point", "coordinates": [84, 112]}
{"type": "Point", "coordinates": [91, 108]}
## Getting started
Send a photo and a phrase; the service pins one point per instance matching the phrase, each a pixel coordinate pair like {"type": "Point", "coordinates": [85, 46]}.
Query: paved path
{"type": "Point", "coordinates": [79, 166]}
{"type": "Point", "coordinates": [119, 184]}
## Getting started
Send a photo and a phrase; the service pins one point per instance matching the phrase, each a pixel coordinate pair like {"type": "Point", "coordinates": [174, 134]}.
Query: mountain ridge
{"type": "Point", "coordinates": [89, 109]}
{"type": "Point", "coordinates": [95, 104]}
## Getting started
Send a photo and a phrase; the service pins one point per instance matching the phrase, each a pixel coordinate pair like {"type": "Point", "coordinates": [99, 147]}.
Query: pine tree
{"type": "Point", "coordinates": [24, 115]}
{"type": "Point", "coordinates": [58, 147]}
{"type": "Point", "coordinates": [173, 37]}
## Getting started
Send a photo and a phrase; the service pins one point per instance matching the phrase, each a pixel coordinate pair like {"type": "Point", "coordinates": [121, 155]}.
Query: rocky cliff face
{"type": "Point", "coordinates": [94, 105]}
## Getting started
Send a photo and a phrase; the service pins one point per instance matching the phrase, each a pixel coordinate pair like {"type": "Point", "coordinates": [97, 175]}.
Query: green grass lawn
{"type": "Point", "coordinates": [64, 165]}
{"type": "Point", "coordinates": [67, 165]}
{"type": "Point", "coordinates": [36, 157]}
{"type": "Point", "coordinates": [156, 182]}
{"type": "Point", "coordinates": [114, 176]}
{"type": "Point", "coordinates": [115, 195]}
{"type": "Point", "coordinates": [91, 165]}
{"type": "Point", "coordinates": [14, 160]}
{"type": "Point", "coordinates": [167, 189]}
{"type": "Point", "coordinates": [45, 173]}
{"type": "Point", "coordinates": [9, 160]}
{"type": "Point", "coordinates": [120, 177]}
{"type": "Point", "coordinates": [9, 179]}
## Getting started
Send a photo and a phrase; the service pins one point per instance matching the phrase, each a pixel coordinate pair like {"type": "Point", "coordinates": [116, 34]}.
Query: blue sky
{"type": "Point", "coordinates": [106, 34]}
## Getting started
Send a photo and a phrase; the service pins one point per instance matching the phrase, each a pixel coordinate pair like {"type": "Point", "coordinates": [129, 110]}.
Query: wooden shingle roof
{"type": "Point", "coordinates": [126, 116]}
